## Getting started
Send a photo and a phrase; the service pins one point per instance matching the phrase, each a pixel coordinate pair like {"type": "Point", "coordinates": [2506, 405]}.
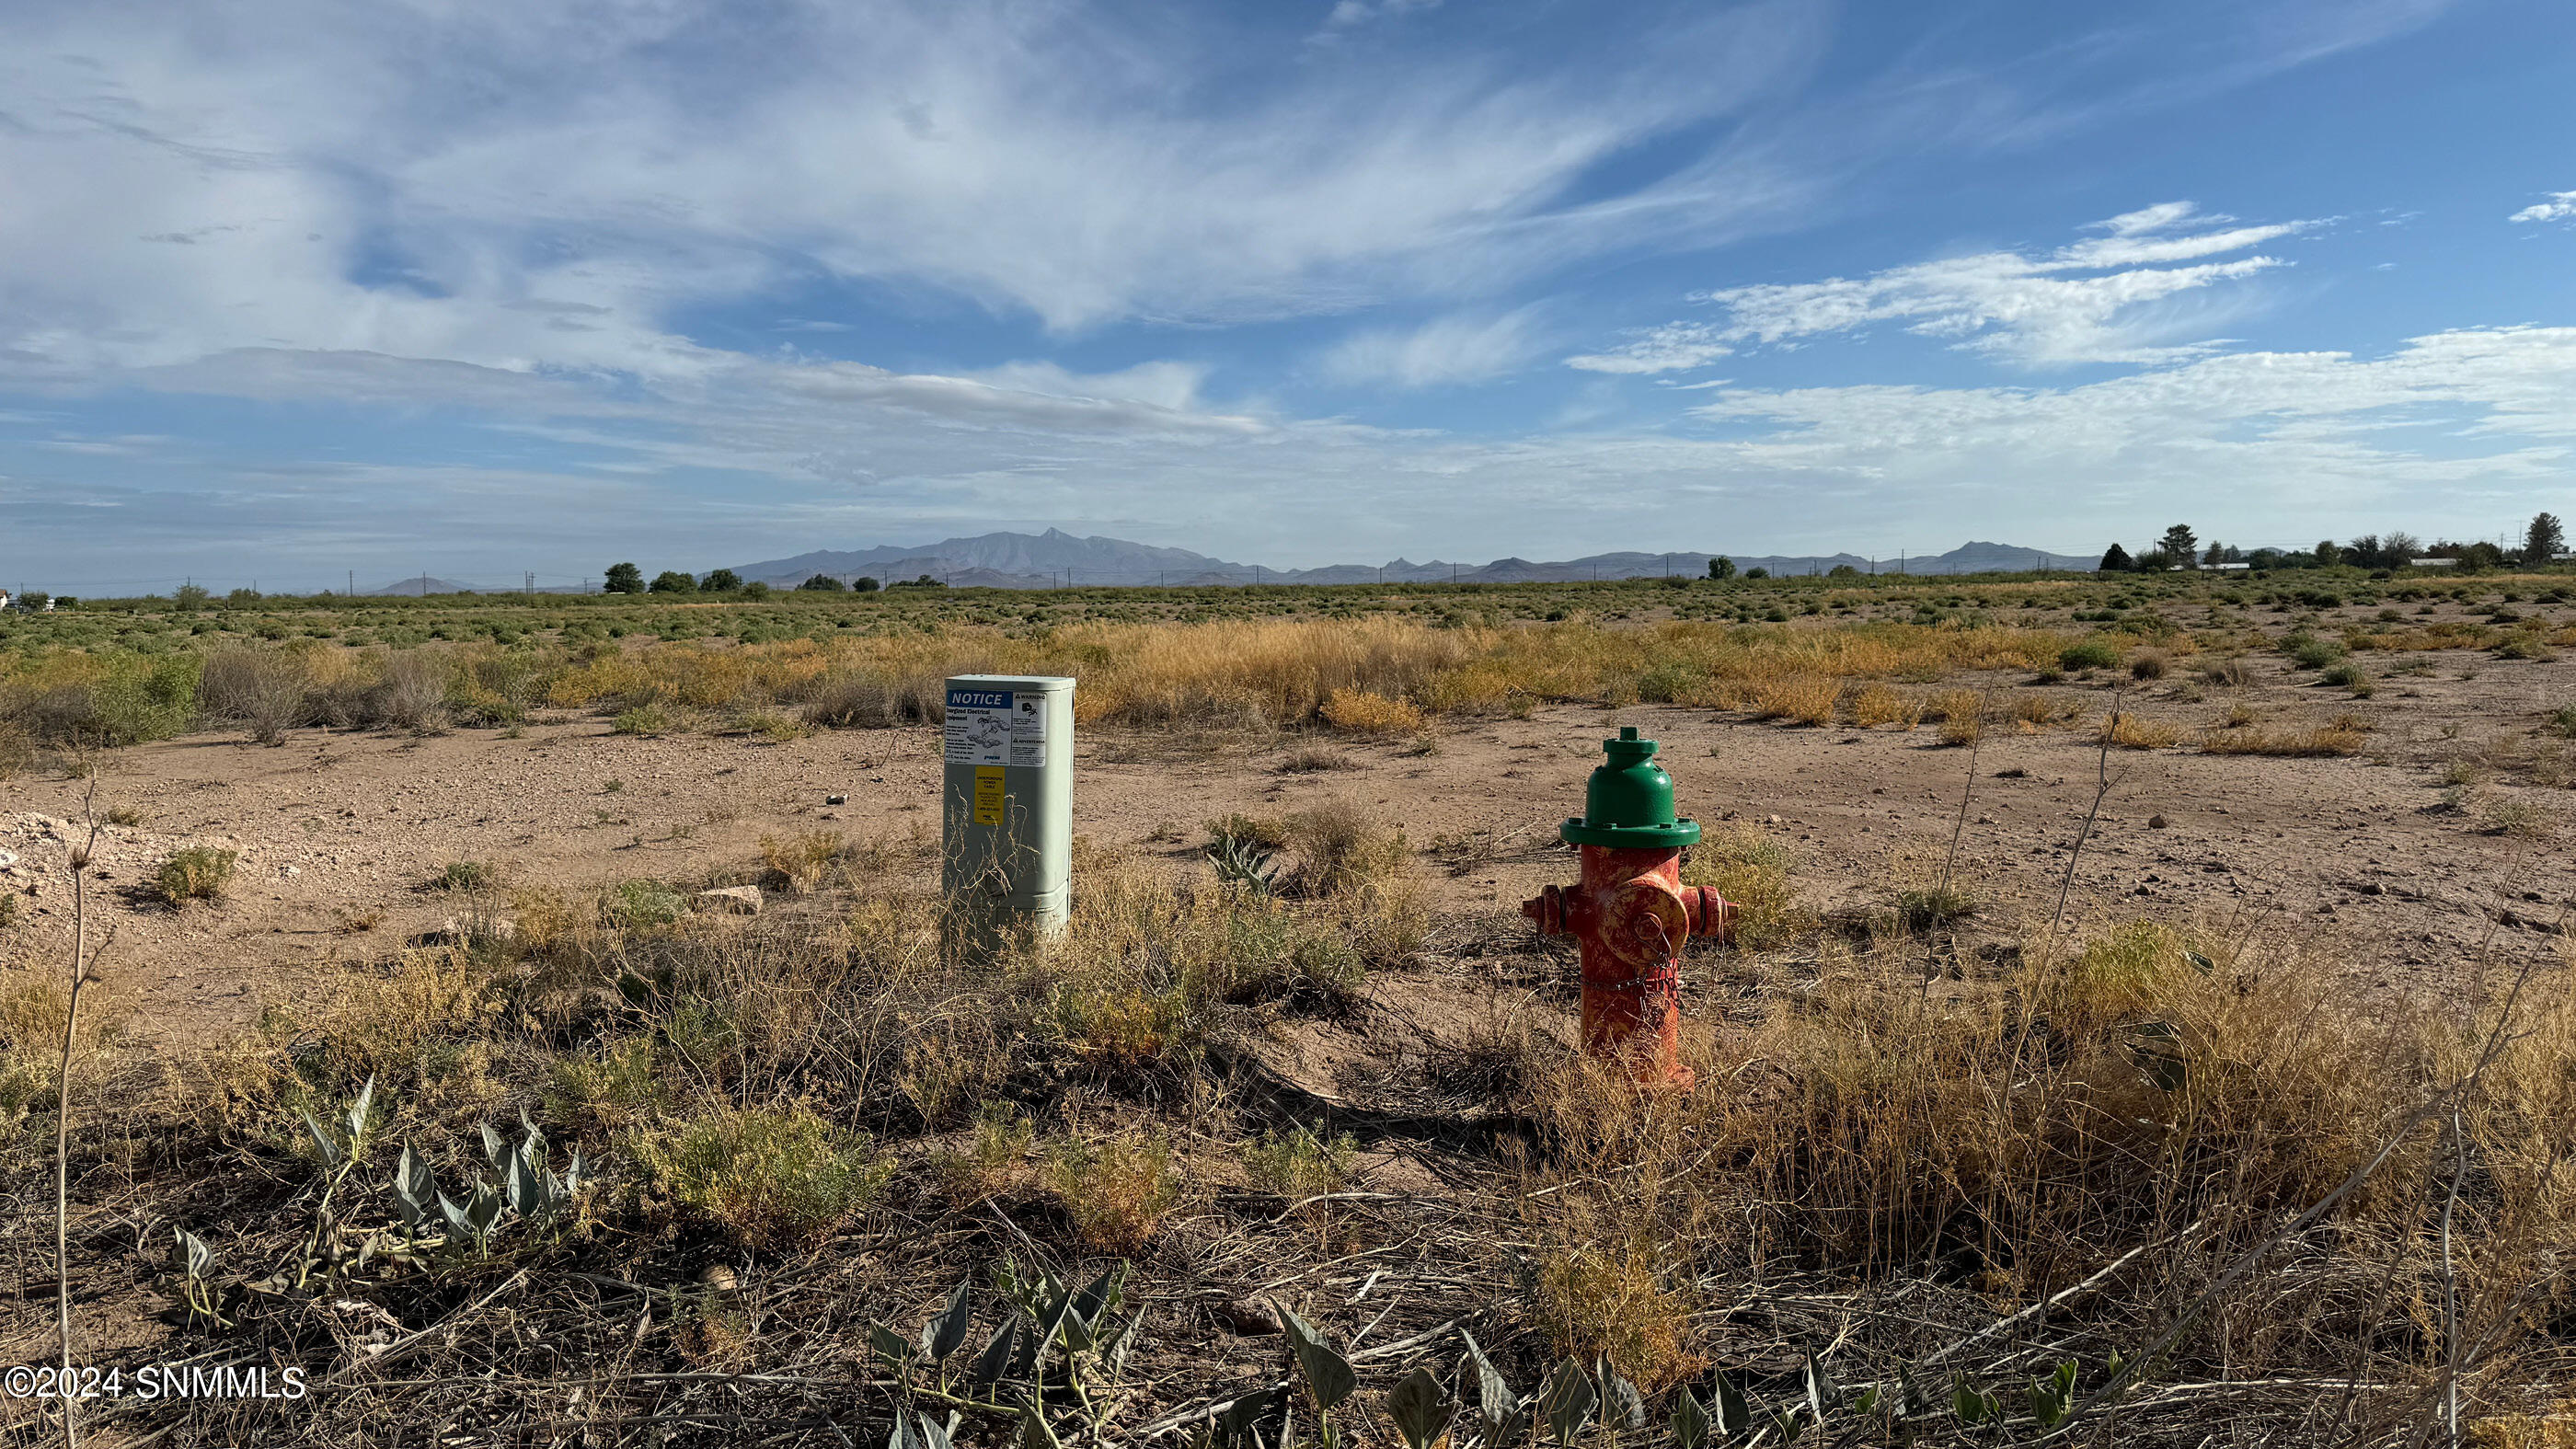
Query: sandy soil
{"type": "Point", "coordinates": [341, 834]}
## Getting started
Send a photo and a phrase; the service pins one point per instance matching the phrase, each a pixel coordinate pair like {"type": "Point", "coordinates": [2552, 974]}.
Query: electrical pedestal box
{"type": "Point", "coordinates": [1006, 806]}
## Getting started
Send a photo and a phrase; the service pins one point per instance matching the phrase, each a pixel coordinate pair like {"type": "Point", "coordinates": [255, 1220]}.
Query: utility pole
{"type": "Point", "coordinates": [353, 583]}
{"type": "Point", "coordinates": [1900, 561]}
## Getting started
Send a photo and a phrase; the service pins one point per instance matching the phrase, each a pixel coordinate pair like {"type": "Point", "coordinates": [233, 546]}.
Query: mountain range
{"type": "Point", "coordinates": [1054, 559]}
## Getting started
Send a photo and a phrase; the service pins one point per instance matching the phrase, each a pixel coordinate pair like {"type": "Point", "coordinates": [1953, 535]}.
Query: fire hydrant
{"type": "Point", "coordinates": [1632, 913]}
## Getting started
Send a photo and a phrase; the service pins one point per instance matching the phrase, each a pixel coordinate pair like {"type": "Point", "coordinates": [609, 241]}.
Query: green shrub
{"type": "Point", "coordinates": [465, 875]}
{"type": "Point", "coordinates": [765, 1176]}
{"type": "Point", "coordinates": [2088, 654]}
{"type": "Point", "coordinates": [1299, 1164]}
{"type": "Point", "coordinates": [2310, 652]}
{"type": "Point", "coordinates": [643, 719]}
{"type": "Point", "coordinates": [198, 873]}
{"type": "Point", "coordinates": [643, 905]}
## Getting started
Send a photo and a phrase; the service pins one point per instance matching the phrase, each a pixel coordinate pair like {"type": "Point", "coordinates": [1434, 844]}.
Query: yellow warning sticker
{"type": "Point", "coordinates": [988, 794]}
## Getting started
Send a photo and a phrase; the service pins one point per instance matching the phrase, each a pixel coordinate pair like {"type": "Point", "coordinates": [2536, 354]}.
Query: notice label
{"type": "Point", "coordinates": [996, 727]}
{"type": "Point", "coordinates": [988, 794]}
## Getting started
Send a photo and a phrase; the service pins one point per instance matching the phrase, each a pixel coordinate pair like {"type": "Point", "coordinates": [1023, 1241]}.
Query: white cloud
{"type": "Point", "coordinates": [1669, 348]}
{"type": "Point", "coordinates": [1348, 13]}
{"type": "Point", "coordinates": [338, 190]}
{"type": "Point", "coordinates": [2561, 206]}
{"type": "Point", "coordinates": [1464, 347]}
{"type": "Point", "coordinates": [2089, 302]}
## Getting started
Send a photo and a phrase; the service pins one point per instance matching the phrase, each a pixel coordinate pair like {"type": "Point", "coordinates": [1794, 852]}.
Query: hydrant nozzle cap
{"type": "Point", "coordinates": [1629, 801]}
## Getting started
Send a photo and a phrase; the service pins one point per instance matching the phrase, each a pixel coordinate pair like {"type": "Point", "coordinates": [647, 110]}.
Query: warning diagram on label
{"type": "Point", "coordinates": [996, 727]}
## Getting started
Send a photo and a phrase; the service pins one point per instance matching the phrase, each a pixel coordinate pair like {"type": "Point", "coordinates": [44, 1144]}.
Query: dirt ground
{"type": "Point", "coordinates": [342, 835]}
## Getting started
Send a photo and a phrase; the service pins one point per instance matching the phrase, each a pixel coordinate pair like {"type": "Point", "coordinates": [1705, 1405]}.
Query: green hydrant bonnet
{"type": "Point", "coordinates": [1629, 801]}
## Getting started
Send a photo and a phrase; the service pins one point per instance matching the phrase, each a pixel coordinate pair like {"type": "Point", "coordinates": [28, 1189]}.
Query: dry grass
{"type": "Point", "coordinates": [1752, 870]}
{"type": "Point", "coordinates": [1962, 713]}
{"type": "Point", "coordinates": [1877, 704]}
{"type": "Point", "coordinates": [2136, 732]}
{"type": "Point", "coordinates": [1806, 699]}
{"type": "Point", "coordinates": [1115, 1193]}
{"type": "Point", "coordinates": [1358, 712]}
{"type": "Point", "coordinates": [2289, 741]}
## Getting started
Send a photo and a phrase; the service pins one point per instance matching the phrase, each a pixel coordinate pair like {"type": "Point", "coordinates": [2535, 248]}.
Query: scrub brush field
{"type": "Point", "coordinates": [2152, 1020]}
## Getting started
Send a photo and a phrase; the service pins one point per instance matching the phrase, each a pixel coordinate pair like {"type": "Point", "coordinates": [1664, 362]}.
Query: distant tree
{"type": "Point", "coordinates": [672, 581]}
{"type": "Point", "coordinates": [2116, 560]}
{"type": "Point", "coordinates": [2264, 558]}
{"type": "Point", "coordinates": [2181, 545]}
{"type": "Point", "coordinates": [755, 591]}
{"type": "Point", "coordinates": [1842, 571]}
{"type": "Point", "coordinates": [35, 598]}
{"type": "Point", "coordinates": [2397, 550]}
{"type": "Point", "coordinates": [2478, 556]}
{"type": "Point", "coordinates": [2327, 554]}
{"type": "Point", "coordinates": [188, 599]}
{"type": "Point", "coordinates": [926, 581]}
{"type": "Point", "coordinates": [623, 578]}
{"type": "Point", "coordinates": [720, 581]}
{"type": "Point", "coordinates": [2153, 560]}
{"type": "Point", "coordinates": [2544, 540]}
{"type": "Point", "coordinates": [1757, 573]}
{"type": "Point", "coordinates": [1721, 567]}
{"type": "Point", "coordinates": [821, 584]}
{"type": "Point", "coordinates": [863, 585]}
{"type": "Point", "coordinates": [242, 596]}
{"type": "Point", "coordinates": [2362, 552]}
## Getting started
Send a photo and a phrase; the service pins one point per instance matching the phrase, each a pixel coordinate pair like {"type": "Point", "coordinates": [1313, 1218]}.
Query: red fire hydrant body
{"type": "Point", "coordinates": [1631, 913]}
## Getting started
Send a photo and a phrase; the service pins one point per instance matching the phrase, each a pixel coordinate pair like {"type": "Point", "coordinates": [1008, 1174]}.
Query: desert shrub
{"type": "Point", "coordinates": [1259, 832]}
{"type": "Point", "coordinates": [2150, 664]}
{"type": "Point", "coordinates": [1116, 1193]}
{"type": "Point", "coordinates": [602, 1092]}
{"type": "Point", "coordinates": [2136, 732]}
{"type": "Point", "coordinates": [466, 875]}
{"type": "Point", "coordinates": [642, 905]}
{"type": "Point", "coordinates": [1962, 714]}
{"type": "Point", "coordinates": [1314, 760]}
{"type": "Point", "coordinates": [2290, 741]}
{"type": "Point", "coordinates": [1300, 1163]}
{"type": "Point", "coordinates": [764, 1176]}
{"type": "Point", "coordinates": [2229, 672]}
{"type": "Point", "coordinates": [411, 691]}
{"type": "Point", "coordinates": [2562, 721]}
{"type": "Point", "coordinates": [642, 719]}
{"type": "Point", "coordinates": [1877, 704]}
{"type": "Point", "coordinates": [2310, 652]}
{"type": "Point", "coordinates": [2088, 654]}
{"type": "Point", "coordinates": [1803, 699]}
{"type": "Point", "coordinates": [195, 873]}
{"type": "Point", "coordinates": [1341, 851]}
{"type": "Point", "coordinates": [264, 689]}
{"type": "Point", "coordinates": [1359, 712]}
{"type": "Point", "coordinates": [799, 862]}
{"type": "Point", "coordinates": [2033, 709]}
{"type": "Point", "coordinates": [1618, 1300]}
{"type": "Point", "coordinates": [1752, 871]}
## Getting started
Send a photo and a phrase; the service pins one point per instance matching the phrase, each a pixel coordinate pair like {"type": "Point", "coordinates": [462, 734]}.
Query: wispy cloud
{"type": "Point", "coordinates": [2561, 206]}
{"type": "Point", "coordinates": [1669, 348]}
{"type": "Point", "coordinates": [2086, 302]}
{"type": "Point", "coordinates": [1464, 347]}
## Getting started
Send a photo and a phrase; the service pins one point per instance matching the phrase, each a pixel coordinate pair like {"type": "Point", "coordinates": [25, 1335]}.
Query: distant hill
{"type": "Point", "coordinates": [1053, 558]}
{"type": "Point", "coordinates": [422, 584]}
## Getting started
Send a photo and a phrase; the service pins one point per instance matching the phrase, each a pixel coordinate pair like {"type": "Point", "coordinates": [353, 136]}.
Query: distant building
{"type": "Point", "coordinates": [2431, 563]}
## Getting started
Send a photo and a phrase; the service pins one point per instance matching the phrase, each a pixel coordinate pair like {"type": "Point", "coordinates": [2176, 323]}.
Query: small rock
{"type": "Point", "coordinates": [836, 799]}
{"type": "Point", "coordinates": [290, 870]}
{"type": "Point", "coordinates": [2156, 822]}
{"type": "Point", "coordinates": [742, 900]}
{"type": "Point", "coordinates": [7, 860]}
{"type": "Point", "coordinates": [718, 1277]}
{"type": "Point", "coordinates": [1248, 1318]}
{"type": "Point", "coordinates": [2373, 888]}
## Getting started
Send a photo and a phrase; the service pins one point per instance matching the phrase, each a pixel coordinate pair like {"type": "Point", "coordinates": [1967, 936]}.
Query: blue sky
{"type": "Point", "coordinates": [291, 288]}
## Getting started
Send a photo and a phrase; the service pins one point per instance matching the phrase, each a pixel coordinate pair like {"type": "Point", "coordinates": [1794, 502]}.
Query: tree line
{"type": "Point", "coordinates": [2543, 540]}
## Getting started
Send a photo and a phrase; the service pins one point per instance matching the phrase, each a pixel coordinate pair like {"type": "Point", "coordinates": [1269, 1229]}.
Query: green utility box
{"type": "Point", "coordinates": [1006, 805]}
